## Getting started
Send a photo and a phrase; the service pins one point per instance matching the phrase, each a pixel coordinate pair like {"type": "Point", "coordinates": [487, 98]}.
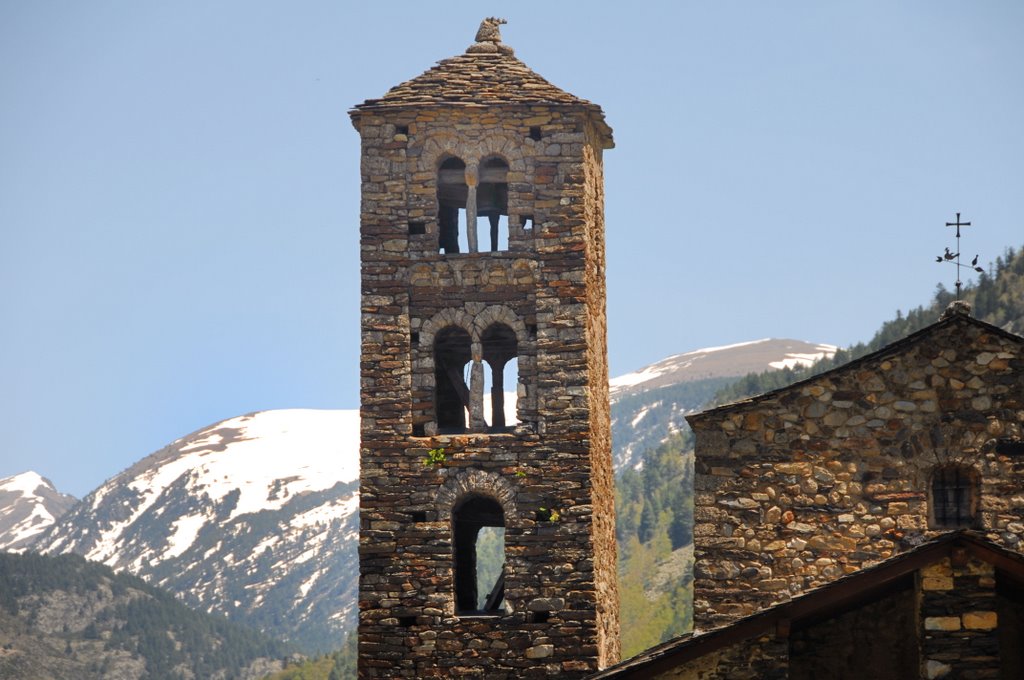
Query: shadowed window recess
{"type": "Point", "coordinates": [953, 497]}
{"type": "Point", "coordinates": [451, 394]}
{"type": "Point", "coordinates": [478, 532]}
{"type": "Point", "coordinates": [469, 394]}
{"type": "Point", "coordinates": [492, 201]}
{"type": "Point", "coordinates": [452, 193]}
{"type": "Point", "coordinates": [465, 194]}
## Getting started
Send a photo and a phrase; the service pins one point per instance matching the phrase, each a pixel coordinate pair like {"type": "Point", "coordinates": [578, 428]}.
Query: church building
{"type": "Point", "coordinates": [863, 523]}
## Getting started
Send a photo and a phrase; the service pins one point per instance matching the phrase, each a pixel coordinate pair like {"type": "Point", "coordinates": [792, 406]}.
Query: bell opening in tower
{"type": "Point", "coordinates": [452, 192]}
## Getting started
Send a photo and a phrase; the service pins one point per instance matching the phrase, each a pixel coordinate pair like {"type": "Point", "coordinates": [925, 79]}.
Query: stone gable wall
{"type": "Point", "coordinates": [763, 657]}
{"type": "Point", "coordinates": [959, 620]}
{"type": "Point", "coordinates": [810, 483]}
{"type": "Point", "coordinates": [548, 287]}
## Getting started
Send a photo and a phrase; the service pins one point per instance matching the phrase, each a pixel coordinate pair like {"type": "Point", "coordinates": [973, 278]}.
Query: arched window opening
{"type": "Point", "coordinates": [479, 555]}
{"type": "Point", "coordinates": [451, 395]}
{"type": "Point", "coordinates": [492, 200]}
{"type": "Point", "coordinates": [954, 497]}
{"type": "Point", "coordinates": [508, 402]}
{"type": "Point", "coordinates": [509, 394]}
{"type": "Point", "coordinates": [451, 206]}
{"type": "Point", "coordinates": [500, 350]}
{"type": "Point", "coordinates": [490, 567]}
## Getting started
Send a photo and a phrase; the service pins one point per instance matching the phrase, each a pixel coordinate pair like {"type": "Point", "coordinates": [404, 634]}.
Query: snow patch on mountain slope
{"type": "Point", "coordinates": [24, 484]}
{"type": "Point", "coordinates": [672, 363]}
{"type": "Point", "coordinates": [795, 359]}
{"type": "Point", "coordinates": [265, 458]}
{"type": "Point", "coordinates": [325, 513]}
{"type": "Point", "coordinates": [29, 504]}
{"type": "Point", "coordinates": [639, 416]}
{"type": "Point", "coordinates": [186, 529]}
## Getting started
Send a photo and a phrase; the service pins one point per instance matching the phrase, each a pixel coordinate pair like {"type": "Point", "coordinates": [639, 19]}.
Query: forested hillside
{"type": "Point", "coordinates": [340, 665]}
{"type": "Point", "coordinates": [65, 617]}
{"type": "Point", "coordinates": [654, 526]}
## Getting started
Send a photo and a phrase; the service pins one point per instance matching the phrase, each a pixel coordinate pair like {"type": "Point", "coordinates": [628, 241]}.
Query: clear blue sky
{"type": "Point", "coordinates": [179, 187]}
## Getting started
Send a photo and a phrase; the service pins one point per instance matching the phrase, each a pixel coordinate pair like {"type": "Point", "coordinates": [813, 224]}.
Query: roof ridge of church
{"type": "Point", "coordinates": [950, 317]}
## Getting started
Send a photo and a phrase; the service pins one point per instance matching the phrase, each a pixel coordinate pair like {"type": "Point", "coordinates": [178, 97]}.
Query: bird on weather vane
{"type": "Point", "coordinates": [954, 258]}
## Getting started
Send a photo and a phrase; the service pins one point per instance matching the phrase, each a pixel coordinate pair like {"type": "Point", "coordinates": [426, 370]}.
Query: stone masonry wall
{"type": "Point", "coordinates": [959, 620]}
{"type": "Point", "coordinates": [804, 485]}
{"type": "Point", "coordinates": [602, 480]}
{"type": "Point", "coordinates": [763, 657]}
{"type": "Point", "coordinates": [561, 618]}
{"type": "Point", "coordinates": [878, 640]}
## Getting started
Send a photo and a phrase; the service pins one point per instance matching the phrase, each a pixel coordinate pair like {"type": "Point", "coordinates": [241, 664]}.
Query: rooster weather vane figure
{"type": "Point", "coordinates": [954, 258]}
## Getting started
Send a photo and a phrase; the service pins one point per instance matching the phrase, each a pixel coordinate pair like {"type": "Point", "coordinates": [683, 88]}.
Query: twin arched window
{"type": "Point", "coordinates": [457, 378]}
{"type": "Point", "coordinates": [462, 197]}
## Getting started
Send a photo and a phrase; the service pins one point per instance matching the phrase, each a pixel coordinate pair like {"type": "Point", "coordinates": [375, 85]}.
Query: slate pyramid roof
{"type": "Point", "coordinates": [487, 74]}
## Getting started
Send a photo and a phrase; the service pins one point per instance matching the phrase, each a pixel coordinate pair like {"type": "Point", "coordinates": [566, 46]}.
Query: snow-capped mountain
{"type": "Point", "coordinates": [29, 504]}
{"type": "Point", "coordinates": [254, 517]}
{"type": "Point", "coordinates": [727, 361]}
{"type": "Point", "coordinates": [649, 404]}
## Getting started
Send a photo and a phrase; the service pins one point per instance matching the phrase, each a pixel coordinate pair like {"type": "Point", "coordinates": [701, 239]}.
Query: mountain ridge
{"type": "Point", "coordinates": [29, 504]}
{"type": "Point", "coordinates": [723, 361]}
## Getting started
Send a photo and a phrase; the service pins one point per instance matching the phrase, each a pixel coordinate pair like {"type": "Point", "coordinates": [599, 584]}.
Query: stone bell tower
{"type": "Point", "coordinates": [487, 529]}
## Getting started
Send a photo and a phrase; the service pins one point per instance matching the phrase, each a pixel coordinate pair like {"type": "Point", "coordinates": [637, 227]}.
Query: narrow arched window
{"type": "Point", "coordinates": [478, 543]}
{"type": "Point", "coordinates": [954, 497]}
{"type": "Point", "coordinates": [500, 351]}
{"type": "Point", "coordinates": [492, 200]}
{"type": "Point", "coordinates": [451, 206]}
{"type": "Point", "coordinates": [451, 394]}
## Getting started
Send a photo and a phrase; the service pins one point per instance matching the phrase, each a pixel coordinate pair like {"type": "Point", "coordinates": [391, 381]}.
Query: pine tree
{"type": "Point", "coordinates": [648, 522]}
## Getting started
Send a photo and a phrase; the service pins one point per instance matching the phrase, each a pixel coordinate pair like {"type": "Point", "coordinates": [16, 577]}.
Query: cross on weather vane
{"type": "Point", "coordinates": [954, 258]}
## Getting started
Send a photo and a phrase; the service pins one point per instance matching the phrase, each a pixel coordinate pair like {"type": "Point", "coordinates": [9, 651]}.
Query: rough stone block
{"type": "Point", "coordinates": [937, 583]}
{"type": "Point", "coordinates": [945, 623]}
{"type": "Point", "coordinates": [980, 620]}
{"type": "Point", "coordinates": [540, 651]}
{"type": "Point", "coordinates": [936, 669]}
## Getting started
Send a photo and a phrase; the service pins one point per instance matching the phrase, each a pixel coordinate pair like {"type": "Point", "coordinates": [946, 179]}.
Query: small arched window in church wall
{"type": "Point", "coordinates": [478, 544]}
{"type": "Point", "coordinates": [492, 201]}
{"type": "Point", "coordinates": [953, 497]}
{"type": "Point", "coordinates": [452, 192]}
{"type": "Point", "coordinates": [500, 351]}
{"type": "Point", "coordinates": [451, 394]}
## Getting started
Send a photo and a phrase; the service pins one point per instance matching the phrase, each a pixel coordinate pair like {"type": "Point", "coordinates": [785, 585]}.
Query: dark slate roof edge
{"type": "Point", "coordinates": [396, 96]}
{"type": "Point", "coordinates": [888, 350]}
{"type": "Point", "coordinates": [690, 646]}
{"type": "Point", "coordinates": [377, 105]}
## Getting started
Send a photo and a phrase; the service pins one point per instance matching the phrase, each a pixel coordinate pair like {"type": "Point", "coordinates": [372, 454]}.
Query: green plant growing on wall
{"type": "Point", "coordinates": [548, 515]}
{"type": "Point", "coordinates": [520, 473]}
{"type": "Point", "coordinates": [435, 457]}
